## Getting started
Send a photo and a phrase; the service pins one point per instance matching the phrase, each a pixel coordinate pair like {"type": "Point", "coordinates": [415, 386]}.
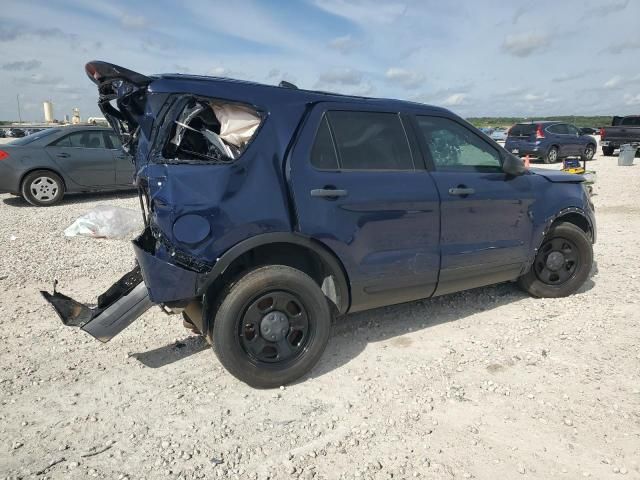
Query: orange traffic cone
{"type": "Point", "coordinates": [526, 161]}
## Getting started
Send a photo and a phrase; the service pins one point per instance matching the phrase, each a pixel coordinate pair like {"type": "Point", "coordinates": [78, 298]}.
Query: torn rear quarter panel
{"type": "Point", "coordinates": [197, 208]}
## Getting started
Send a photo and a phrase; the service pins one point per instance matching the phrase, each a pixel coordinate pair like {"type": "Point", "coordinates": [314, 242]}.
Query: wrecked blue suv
{"type": "Point", "coordinates": [270, 210]}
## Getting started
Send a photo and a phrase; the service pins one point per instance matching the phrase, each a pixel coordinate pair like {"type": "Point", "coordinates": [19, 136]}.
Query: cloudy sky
{"type": "Point", "coordinates": [479, 58]}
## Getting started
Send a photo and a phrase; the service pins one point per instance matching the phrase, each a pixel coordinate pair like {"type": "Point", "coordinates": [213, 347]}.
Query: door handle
{"type": "Point", "coordinates": [328, 193]}
{"type": "Point", "coordinates": [63, 155]}
{"type": "Point", "coordinates": [462, 191]}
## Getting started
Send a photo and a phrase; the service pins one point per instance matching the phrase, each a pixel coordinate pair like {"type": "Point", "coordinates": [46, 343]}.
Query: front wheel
{"type": "Point", "coordinates": [562, 263]}
{"type": "Point", "coordinates": [589, 152]}
{"type": "Point", "coordinates": [272, 326]}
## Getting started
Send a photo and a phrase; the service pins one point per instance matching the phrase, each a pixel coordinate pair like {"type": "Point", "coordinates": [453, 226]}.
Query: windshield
{"type": "Point", "coordinates": [34, 136]}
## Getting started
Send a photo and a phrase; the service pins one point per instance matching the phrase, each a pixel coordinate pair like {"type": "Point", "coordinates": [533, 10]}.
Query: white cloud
{"type": "Point", "coordinates": [455, 99]}
{"type": "Point", "coordinates": [613, 82]}
{"type": "Point", "coordinates": [523, 45]}
{"type": "Point", "coordinates": [340, 76]}
{"type": "Point", "coordinates": [345, 44]}
{"type": "Point", "coordinates": [406, 78]}
{"type": "Point", "coordinates": [364, 12]}
{"type": "Point", "coordinates": [219, 72]}
{"type": "Point", "coordinates": [619, 81]}
{"type": "Point", "coordinates": [630, 99]}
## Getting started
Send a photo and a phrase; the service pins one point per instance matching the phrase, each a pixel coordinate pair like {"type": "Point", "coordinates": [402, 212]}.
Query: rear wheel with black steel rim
{"type": "Point", "coordinates": [562, 263]}
{"type": "Point", "coordinates": [272, 326]}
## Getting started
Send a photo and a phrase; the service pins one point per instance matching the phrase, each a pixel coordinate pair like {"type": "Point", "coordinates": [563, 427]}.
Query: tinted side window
{"type": "Point", "coordinates": [61, 142]}
{"type": "Point", "coordinates": [571, 130]}
{"type": "Point", "coordinates": [522, 130]}
{"type": "Point", "coordinates": [370, 141]}
{"type": "Point", "coordinates": [558, 129]}
{"type": "Point", "coordinates": [323, 153]}
{"type": "Point", "coordinates": [453, 146]}
{"type": "Point", "coordinates": [91, 139]}
{"type": "Point", "coordinates": [631, 121]}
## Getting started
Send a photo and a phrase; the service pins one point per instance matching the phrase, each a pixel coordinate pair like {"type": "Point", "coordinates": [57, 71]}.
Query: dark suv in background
{"type": "Point", "coordinates": [268, 210]}
{"type": "Point", "coordinates": [549, 141]}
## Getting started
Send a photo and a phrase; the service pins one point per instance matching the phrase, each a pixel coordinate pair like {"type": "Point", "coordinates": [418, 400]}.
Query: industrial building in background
{"type": "Point", "coordinates": [48, 111]}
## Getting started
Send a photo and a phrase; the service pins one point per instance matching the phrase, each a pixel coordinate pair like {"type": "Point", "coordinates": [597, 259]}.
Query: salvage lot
{"type": "Point", "coordinates": [482, 384]}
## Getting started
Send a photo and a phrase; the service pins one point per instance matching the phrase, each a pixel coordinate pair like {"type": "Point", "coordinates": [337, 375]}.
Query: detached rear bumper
{"type": "Point", "coordinates": [153, 282]}
{"type": "Point", "coordinates": [117, 308]}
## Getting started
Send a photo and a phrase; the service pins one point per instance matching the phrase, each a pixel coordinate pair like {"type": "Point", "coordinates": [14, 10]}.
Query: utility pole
{"type": "Point", "coordinates": [19, 113]}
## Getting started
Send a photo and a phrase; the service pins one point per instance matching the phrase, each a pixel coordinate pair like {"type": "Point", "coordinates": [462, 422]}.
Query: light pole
{"type": "Point", "coordinates": [19, 113]}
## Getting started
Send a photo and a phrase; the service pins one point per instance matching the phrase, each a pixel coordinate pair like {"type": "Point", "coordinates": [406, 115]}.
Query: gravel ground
{"type": "Point", "coordinates": [487, 384]}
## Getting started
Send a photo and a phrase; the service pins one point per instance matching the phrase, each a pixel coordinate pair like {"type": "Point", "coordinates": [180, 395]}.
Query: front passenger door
{"type": "Point", "coordinates": [576, 139]}
{"type": "Point", "coordinates": [486, 230]}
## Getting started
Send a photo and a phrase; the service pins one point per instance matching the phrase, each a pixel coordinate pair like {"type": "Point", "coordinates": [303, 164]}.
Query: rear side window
{"type": "Point", "coordinates": [522, 130]}
{"type": "Point", "coordinates": [370, 141]}
{"type": "Point", "coordinates": [323, 153]}
{"type": "Point", "coordinates": [454, 147]}
{"type": "Point", "coordinates": [631, 121]}
{"type": "Point", "coordinates": [89, 139]}
{"type": "Point", "coordinates": [558, 129]}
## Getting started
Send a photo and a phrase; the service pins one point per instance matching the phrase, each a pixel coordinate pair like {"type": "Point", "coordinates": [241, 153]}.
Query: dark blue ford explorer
{"type": "Point", "coordinates": [269, 210]}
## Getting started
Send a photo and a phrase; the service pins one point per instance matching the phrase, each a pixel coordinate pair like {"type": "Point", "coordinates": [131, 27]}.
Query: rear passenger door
{"type": "Point", "coordinates": [486, 226]}
{"type": "Point", "coordinates": [83, 157]}
{"type": "Point", "coordinates": [360, 188]}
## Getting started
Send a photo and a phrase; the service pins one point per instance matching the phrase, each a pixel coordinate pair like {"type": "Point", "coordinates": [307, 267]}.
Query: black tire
{"type": "Point", "coordinates": [551, 156]}
{"type": "Point", "coordinates": [42, 188]}
{"type": "Point", "coordinates": [589, 152]}
{"type": "Point", "coordinates": [235, 329]}
{"type": "Point", "coordinates": [575, 264]}
{"type": "Point", "coordinates": [607, 151]}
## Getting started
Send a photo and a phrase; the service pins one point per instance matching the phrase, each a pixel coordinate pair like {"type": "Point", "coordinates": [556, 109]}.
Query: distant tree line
{"type": "Point", "coordinates": [579, 121]}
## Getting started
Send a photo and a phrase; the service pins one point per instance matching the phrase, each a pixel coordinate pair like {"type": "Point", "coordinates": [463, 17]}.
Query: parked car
{"type": "Point", "coordinates": [622, 130]}
{"type": "Point", "coordinates": [2, 133]}
{"type": "Point", "coordinates": [588, 131]}
{"type": "Point", "coordinates": [486, 130]}
{"type": "Point", "coordinates": [499, 134]}
{"type": "Point", "coordinates": [15, 132]}
{"type": "Point", "coordinates": [268, 210]}
{"type": "Point", "coordinates": [550, 141]}
{"type": "Point", "coordinates": [42, 167]}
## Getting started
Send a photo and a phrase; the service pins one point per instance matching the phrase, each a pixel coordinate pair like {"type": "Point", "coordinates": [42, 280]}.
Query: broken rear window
{"type": "Point", "coordinates": [211, 130]}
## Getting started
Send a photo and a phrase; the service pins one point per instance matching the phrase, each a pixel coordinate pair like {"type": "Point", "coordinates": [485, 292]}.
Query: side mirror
{"type": "Point", "coordinates": [512, 165]}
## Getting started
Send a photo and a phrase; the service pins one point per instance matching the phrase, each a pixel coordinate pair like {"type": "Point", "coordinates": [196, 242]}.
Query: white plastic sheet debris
{"type": "Point", "coordinates": [105, 221]}
{"type": "Point", "coordinates": [237, 123]}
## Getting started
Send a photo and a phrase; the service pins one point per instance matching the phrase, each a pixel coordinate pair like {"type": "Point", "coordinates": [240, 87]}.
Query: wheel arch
{"type": "Point", "coordinates": [283, 248]}
{"type": "Point", "coordinates": [574, 215]}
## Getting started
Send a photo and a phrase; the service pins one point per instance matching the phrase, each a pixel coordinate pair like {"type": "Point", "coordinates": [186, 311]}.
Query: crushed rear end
{"type": "Point", "coordinates": [185, 148]}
